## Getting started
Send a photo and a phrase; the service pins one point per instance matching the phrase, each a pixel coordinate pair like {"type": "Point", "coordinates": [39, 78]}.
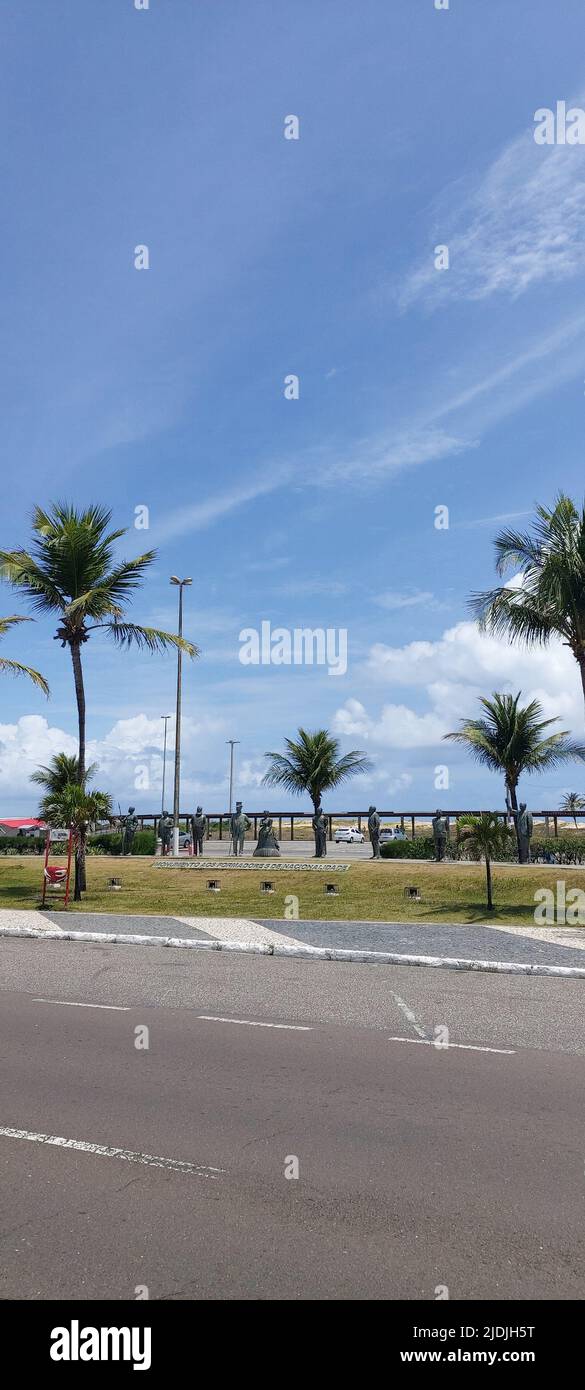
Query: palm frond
{"type": "Point", "coordinates": [20, 570]}
{"type": "Point", "coordinates": [551, 598]}
{"type": "Point", "coordinates": [16, 668]}
{"type": "Point", "coordinates": [151, 638]}
{"type": "Point", "coordinates": [311, 764]}
{"type": "Point", "coordinates": [7, 623]}
{"type": "Point", "coordinates": [514, 738]}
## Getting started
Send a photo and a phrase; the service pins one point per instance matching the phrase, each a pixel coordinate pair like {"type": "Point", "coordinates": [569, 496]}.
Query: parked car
{"type": "Point", "coordinates": [391, 832]}
{"type": "Point", "coordinates": [348, 835]}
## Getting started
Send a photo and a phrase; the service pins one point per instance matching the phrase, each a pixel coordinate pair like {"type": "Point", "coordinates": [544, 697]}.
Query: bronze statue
{"type": "Point", "coordinates": [524, 827]}
{"type": "Point", "coordinates": [240, 824]}
{"type": "Point", "coordinates": [374, 831]}
{"type": "Point", "coordinates": [198, 830]}
{"type": "Point", "coordinates": [129, 828]}
{"type": "Point", "coordinates": [267, 847]}
{"type": "Point", "coordinates": [439, 835]}
{"type": "Point", "coordinates": [319, 824]}
{"type": "Point", "coordinates": [165, 830]}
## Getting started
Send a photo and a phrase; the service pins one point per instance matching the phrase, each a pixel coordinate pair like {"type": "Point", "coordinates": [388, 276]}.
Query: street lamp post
{"type": "Point", "coordinates": [181, 584]}
{"type": "Point", "coordinates": [231, 742]}
{"type": "Point", "coordinates": [166, 718]}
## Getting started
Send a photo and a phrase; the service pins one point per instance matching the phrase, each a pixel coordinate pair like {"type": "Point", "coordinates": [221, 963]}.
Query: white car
{"type": "Point", "coordinates": [391, 832]}
{"type": "Point", "coordinates": [348, 835]}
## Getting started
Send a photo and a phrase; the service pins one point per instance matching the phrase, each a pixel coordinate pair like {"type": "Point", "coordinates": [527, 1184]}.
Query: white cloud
{"type": "Point", "coordinates": [250, 772]}
{"type": "Point", "coordinates": [451, 674]}
{"type": "Point", "coordinates": [392, 599]}
{"type": "Point", "coordinates": [203, 514]}
{"type": "Point", "coordinates": [387, 454]}
{"type": "Point", "coordinates": [464, 654]}
{"type": "Point", "coordinates": [524, 223]}
{"type": "Point", "coordinates": [23, 747]}
{"type": "Point", "coordinates": [396, 727]}
{"type": "Point", "coordinates": [129, 757]}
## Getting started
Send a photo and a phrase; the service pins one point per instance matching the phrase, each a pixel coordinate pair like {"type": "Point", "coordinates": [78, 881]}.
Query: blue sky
{"type": "Point", "coordinates": [165, 387]}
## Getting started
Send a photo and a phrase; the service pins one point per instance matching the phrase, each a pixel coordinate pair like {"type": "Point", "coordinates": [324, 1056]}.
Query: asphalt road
{"type": "Point", "coordinates": [418, 1165]}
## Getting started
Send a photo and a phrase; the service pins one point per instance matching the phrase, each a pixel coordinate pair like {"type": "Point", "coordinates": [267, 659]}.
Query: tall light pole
{"type": "Point", "coordinates": [166, 718]}
{"type": "Point", "coordinates": [231, 742]}
{"type": "Point", "coordinates": [181, 584]}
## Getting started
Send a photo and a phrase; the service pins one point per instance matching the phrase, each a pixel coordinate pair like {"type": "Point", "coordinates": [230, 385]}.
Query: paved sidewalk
{"type": "Point", "coordinates": [522, 945]}
{"type": "Point", "coordinates": [539, 946]}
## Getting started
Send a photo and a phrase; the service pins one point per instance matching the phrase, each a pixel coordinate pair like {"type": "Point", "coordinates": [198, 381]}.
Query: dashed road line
{"type": "Point", "coordinates": [176, 1165]}
{"type": "Point", "coordinates": [254, 1023]}
{"type": "Point", "coordinates": [445, 1047]}
{"type": "Point", "coordinates": [74, 1004]}
{"type": "Point", "coordinates": [408, 1014]}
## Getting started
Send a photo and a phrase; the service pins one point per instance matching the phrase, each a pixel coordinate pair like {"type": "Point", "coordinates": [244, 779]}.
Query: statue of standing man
{"type": "Point", "coordinates": [374, 831]}
{"type": "Point", "coordinates": [165, 830]}
{"type": "Point", "coordinates": [198, 830]}
{"type": "Point", "coordinates": [524, 827]}
{"type": "Point", "coordinates": [130, 824]}
{"type": "Point", "coordinates": [240, 824]}
{"type": "Point", "coordinates": [320, 832]}
{"type": "Point", "coordinates": [439, 836]}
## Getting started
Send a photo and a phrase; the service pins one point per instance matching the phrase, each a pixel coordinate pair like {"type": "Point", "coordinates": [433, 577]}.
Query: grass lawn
{"type": "Point", "coordinates": [372, 891]}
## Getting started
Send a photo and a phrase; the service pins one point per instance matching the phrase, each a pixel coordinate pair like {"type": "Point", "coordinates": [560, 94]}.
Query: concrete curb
{"type": "Point", "coordinates": [304, 952]}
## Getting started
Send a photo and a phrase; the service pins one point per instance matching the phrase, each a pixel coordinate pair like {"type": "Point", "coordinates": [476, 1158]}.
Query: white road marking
{"type": "Point", "coordinates": [253, 1023]}
{"type": "Point", "coordinates": [465, 1047]}
{"type": "Point", "coordinates": [73, 1004]}
{"type": "Point", "coordinates": [177, 1165]}
{"type": "Point", "coordinates": [408, 1014]}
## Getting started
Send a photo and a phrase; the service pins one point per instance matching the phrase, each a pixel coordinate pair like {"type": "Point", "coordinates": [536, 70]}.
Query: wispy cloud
{"type": "Point", "coordinates": [300, 588]}
{"type": "Point", "coordinates": [392, 599]}
{"type": "Point", "coordinates": [187, 519]}
{"type": "Point", "coordinates": [488, 520]}
{"type": "Point", "coordinates": [524, 223]}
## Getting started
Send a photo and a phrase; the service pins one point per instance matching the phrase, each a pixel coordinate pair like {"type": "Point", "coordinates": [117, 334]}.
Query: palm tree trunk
{"type": "Point", "coordinates": [488, 875]}
{"type": "Point", "coordinates": [80, 884]}
{"type": "Point", "coordinates": [581, 661]}
{"type": "Point", "coordinates": [316, 799]}
{"type": "Point", "coordinates": [80, 879]}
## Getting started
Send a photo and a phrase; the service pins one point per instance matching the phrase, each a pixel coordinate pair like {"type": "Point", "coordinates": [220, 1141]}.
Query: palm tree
{"type": "Point", "coordinates": [572, 803]}
{"type": "Point", "coordinates": [550, 602]}
{"type": "Point", "coordinates": [76, 808]}
{"type": "Point", "coordinates": [63, 768]}
{"type": "Point", "coordinates": [311, 764]}
{"type": "Point", "coordinates": [16, 668]}
{"type": "Point", "coordinates": [71, 571]}
{"type": "Point", "coordinates": [488, 838]}
{"type": "Point", "coordinates": [509, 739]}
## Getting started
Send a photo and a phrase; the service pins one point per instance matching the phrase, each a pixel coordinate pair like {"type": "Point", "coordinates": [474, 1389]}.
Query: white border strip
{"type": "Point", "coordinates": [302, 951]}
{"type": "Point", "coordinates": [253, 1023]}
{"type": "Point", "coordinates": [176, 1165]}
{"type": "Point", "coordinates": [446, 1047]}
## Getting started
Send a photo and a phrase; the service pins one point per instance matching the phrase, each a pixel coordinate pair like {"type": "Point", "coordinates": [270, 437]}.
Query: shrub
{"type": "Point", "coordinates": [19, 844]}
{"type": "Point", "coordinates": [420, 848]}
{"type": "Point", "coordinates": [106, 842]}
{"type": "Point", "coordinates": [144, 842]}
{"type": "Point", "coordinates": [563, 849]}
{"type": "Point", "coordinates": [110, 842]}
